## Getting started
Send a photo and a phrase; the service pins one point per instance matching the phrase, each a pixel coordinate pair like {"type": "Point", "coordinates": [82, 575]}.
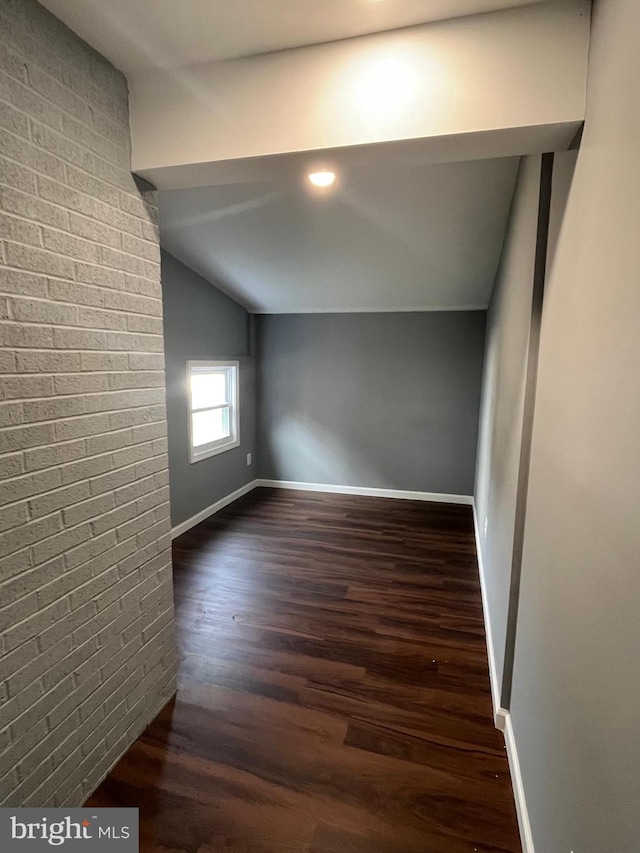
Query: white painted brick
{"type": "Point", "coordinates": [39, 311]}
{"type": "Point", "coordinates": [53, 408]}
{"type": "Point", "coordinates": [19, 230]}
{"type": "Point", "coordinates": [55, 454]}
{"type": "Point", "coordinates": [55, 93]}
{"type": "Point", "coordinates": [17, 387]}
{"type": "Point", "coordinates": [111, 520]}
{"type": "Point", "coordinates": [100, 544]}
{"type": "Point", "coordinates": [22, 336]}
{"type": "Point", "coordinates": [13, 516]}
{"type": "Point", "coordinates": [78, 339]}
{"type": "Point", "coordinates": [60, 145]}
{"type": "Point", "coordinates": [109, 441]}
{"type": "Point", "coordinates": [30, 207]}
{"type": "Point", "coordinates": [149, 432]}
{"type": "Point", "coordinates": [133, 304]}
{"type": "Point", "coordinates": [7, 362]}
{"type": "Point", "coordinates": [87, 510]}
{"type": "Point", "coordinates": [142, 379]}
{"type": "Point", "coordinates": [11, 414]}
{"type": "Point", "coordinates": [134, 490]}
{"type": "Point", "coordinates": [70, 246]}
{"type": "Point", "coordinates": [141, 248]}
{"type": "Point", "coordinates": [83, 392]}
{"type": "Point", "coordinates": [12, 120]}
{"type": "Point", "coordinates": [47, 362]}
{"type": "Point", "coordinates": [60, 194]}
{"type": "Point", "coordinates": [38, 260]}
{"type": "Point", "coordinates": [82, 426]}
{"type": "Point", "coordinates": [76, 294]}
{"type": "Point", "coordinates": [29, 155]}
{"type": "Point", "coordinates": [124, 399]}
{"type": "Point", "coordinates": [16, 176]}
{"type": "Point", "coordinates": [61, 542]}
{"type": "Point", "coordinates": [135, 417]}
{"type": "Point", "coordinates": [17, 93]}
{"type": "Point", "coordinates": [32, 484]}
{"type": "Point", "coordinates": [92, 230]}
{"type": "Point", "coordinates": [11, 465]}
{"type": "Point", "coordinates": [113, 480]}
{"type": "Point", "coordinates": [150, 325]}
{"type": "Point", "coordinates": [129, 455]}
{"type": "Point", "coordinates": [101, 191]}
{"type": "Point", "coordinates": [136, 206]}
{"type": "Point", "coordinates": [143, 286]}
{"type": "Point", "coordinates": [16, 563]}
{"type": "Point", "coordinates": [58, 499]}
{"type": "Point", "coordinates": [109, 361]}
{"type": "Point", "coordinates": [81, 383]}
{"type": "Point", "coordinates": [33, 580]}
{"type": "Point", "coordinates": [96, 319]}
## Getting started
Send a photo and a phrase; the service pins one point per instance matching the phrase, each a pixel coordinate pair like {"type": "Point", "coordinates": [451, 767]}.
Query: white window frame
{"type": "Point", "coordinates": [232, 368]}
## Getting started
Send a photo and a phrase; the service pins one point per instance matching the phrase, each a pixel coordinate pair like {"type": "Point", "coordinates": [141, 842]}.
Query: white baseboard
{"type": "Point", "coordinates": [367, 492]}
{"type": "Point", "coordinates": [315, 487]}
{"type": "Point", "coordinates": [518, 788]}
{"type": "Point", "coordinates": [499, 713]}
{"type": "Point", "coordinates": [502, 717]}
{"type": "Point", "coordinates": [211, 510]}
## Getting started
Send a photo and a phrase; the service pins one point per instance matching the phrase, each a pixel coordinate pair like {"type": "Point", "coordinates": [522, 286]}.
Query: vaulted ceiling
{"type": "Point", "coordinates": [232, 103]}
{"type": "Point", "coordinates": [388, 237]}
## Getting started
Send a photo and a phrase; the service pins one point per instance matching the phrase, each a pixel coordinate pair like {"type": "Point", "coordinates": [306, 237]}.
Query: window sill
{"type": "Point", "coordinates": [213, 451]}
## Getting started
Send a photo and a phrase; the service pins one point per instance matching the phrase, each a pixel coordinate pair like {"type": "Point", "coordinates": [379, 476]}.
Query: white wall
{"type": "Point", "coordinates": [508, 70]}
{"type": "Point", "coordinates": [576, 689]}
{"type": "Point", "coordinates": [501, 422]}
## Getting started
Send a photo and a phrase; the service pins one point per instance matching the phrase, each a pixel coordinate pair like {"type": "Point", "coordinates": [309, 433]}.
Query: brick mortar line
{"type": "Point", "coordinates": [66, 279]}
{"type": "Point", "coordinates": [45, 123]}
{"type": "Point", "coordinates": [19, 217]}
{"type": "Point", "coordinates": [78, 260]}
{"type": "Point", "coordinates": [49, 300]}
{"type": "Point", "coordinates": [33, 120]}
{"type": "Point", "coordinates": [82, 437]}
{"type": "Point", "coordinates": [77, 483]}
{"type": "Point", "coordinates": [47, 692]}
{"type": "Point", "coordinates": [33, 60]}
{"type": "Point", "coordinates": [62, 466]}
{"type": "Point", "coordinates": [73, 189]}
{"type": "Point", "coordinates": [65, 595]}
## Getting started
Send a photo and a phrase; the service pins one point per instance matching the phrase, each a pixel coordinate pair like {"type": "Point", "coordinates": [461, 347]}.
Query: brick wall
{"type": "Point", "coordinates": [86, 602]}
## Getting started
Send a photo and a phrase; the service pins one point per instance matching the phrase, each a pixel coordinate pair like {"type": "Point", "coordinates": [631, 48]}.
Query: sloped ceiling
{"type": "Point", "coordinates": [401, 238]}
{"type": "Point", "coordinates": [139, 35]}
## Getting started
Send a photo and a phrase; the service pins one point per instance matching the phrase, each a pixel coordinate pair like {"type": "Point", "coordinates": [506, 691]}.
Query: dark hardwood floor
{"type": "Point", "coordinates": [333, 688]}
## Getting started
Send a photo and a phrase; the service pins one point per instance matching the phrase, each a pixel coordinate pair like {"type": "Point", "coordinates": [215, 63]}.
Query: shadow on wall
{"type": "Point", "coordinates": [323, 456]}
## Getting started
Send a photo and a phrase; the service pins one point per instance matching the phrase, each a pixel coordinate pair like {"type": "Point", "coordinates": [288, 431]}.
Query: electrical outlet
{"type": "Point", "coordinates": [248, 459]}
{"type": "Point", "coordinates": [486, 524]}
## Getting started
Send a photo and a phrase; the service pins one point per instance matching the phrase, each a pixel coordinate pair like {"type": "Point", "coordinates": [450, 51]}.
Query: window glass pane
{"type": "Point", "coordinates": [208, 389]}
{"type": "Point", "coordinates": [209, 426]}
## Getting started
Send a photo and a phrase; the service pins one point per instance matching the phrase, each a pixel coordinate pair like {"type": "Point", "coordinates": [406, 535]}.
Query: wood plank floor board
{"type": "Point", "coordinates": [333, 687]}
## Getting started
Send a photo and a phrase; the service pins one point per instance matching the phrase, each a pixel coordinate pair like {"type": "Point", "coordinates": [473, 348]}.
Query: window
{"type": "Point", "coordinates": [213, 407]}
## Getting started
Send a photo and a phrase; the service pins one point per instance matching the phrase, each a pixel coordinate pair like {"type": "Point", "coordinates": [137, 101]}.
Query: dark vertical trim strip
{"type": "Point", "coordinates": [540, 269]}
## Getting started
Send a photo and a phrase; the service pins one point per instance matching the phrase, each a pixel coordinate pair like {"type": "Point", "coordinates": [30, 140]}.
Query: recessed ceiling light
{"type": "Point", "coordinates": [322, 179]}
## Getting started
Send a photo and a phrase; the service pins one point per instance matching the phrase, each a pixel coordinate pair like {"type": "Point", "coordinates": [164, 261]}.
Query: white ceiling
{"type": "Point", "coordinates": [401, 238]}
{"type": "Point", "coordinates": [138, 35]}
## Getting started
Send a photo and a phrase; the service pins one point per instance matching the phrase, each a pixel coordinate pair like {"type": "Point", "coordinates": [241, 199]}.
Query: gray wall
{"type": "Point", "coordinates": [201, 322]}
{"type": "Point", "coordinates": [501, 421]}
{"type": "Point", "coordinates": [576, 688]}
{"type": "Point", "coordinates": [85, 577]}
{"type": "Point", "coordinates": [377, 400]}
